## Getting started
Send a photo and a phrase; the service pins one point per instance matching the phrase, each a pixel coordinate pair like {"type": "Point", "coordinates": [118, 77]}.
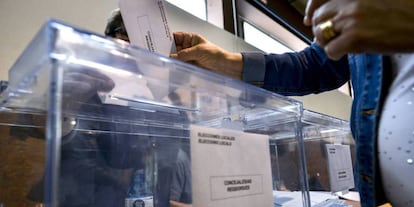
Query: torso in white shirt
{"type": "Point", "coordinates": [396, 134]}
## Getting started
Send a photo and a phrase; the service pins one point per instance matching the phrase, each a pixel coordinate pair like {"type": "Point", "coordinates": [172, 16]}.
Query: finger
{"type": "Point", "coordinates": [174, 55]}
{"type": "Point", "coordinates": [311, 6]}
{"type": "Point", "coordinates": [76, 87]}
{"type": "Point", "coordinates": [188, 54]}
{"type": "Point", "coordinates": [101, 84]}
{"type": "Point", "coordinates": [96, 82]}
{"type": "Point", "coordinates": [338, 47]}
{"type": "Point", "coordinates": [325, 32]}
{"type": "Point", "coordinates": [325, 12]}
{"type": "Point", "coordinates": [187, 41]}
{"type": "Point", "coordinates": [184, 40]}
{"type": "Point", "coordinates": [178, 40]}
{"type": "Point", "coordinates": [178, 37]}
{"type": "Point", "coordinates": [91, 72]}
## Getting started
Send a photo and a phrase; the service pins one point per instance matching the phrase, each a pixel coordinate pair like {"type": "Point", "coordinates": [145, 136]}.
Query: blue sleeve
{"type": "Point", "coordinates": [295, 74]}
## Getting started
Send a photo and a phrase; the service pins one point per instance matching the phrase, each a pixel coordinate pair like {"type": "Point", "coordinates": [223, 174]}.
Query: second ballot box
{"type": "Point", "coordinates": [325, 138]}
{"type": "Point", "coordinates": [329, 157]}
{"type": "Point", "coordinates": [330, 154]}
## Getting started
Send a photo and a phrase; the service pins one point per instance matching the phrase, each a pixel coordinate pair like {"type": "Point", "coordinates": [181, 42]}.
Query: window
{"type": "Point", "coordinates": [194, 7]}
{"type": "Point", "coordinates": [270, 31]}
{"type": "Point", "coordinates": [263, 41]}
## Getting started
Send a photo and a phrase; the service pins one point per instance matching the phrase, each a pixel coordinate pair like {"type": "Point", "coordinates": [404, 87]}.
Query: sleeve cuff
{"type": "Point", "coordinates": [253, 67]}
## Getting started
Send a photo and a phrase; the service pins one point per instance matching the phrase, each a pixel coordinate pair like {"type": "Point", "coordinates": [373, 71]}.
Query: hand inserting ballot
{"type": "Point", "coordinates": [80, 84]}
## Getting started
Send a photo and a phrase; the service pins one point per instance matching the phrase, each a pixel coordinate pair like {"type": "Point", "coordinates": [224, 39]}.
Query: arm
{"type": "Point", "coordinates": [195, 49]}
{"type": "Point", "coordinates": [300, 73]}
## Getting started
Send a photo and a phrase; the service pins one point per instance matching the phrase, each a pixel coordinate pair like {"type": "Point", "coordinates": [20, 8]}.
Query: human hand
{"type": "Point", "coordinates": [195, 49]}
{"type": "Point", "coordinates": [311, 6]}
{"type": "Point", "coordinates": [385, 26]}
{"type": "Point", "coordinates": [81, 84]}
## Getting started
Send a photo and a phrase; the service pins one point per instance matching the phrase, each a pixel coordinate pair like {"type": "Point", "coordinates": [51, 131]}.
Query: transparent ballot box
{"type": "Point", "coordinates": [91, 121]}
{"type": "Point", "coordinates": [330, 154]}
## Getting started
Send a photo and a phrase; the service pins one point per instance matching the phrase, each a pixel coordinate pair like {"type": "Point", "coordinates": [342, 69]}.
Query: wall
{"type": "Point", "coordinates": [21, 19]}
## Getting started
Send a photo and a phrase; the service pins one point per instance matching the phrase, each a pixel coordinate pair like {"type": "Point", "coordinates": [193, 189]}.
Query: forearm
{"type": "Point", "coordinates": [233, 65]}
{"type": "Point", "coordinates": [299, 73]}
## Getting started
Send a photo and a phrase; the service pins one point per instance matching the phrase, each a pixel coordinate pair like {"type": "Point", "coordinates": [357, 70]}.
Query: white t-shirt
{"type": "Point", "coordinates": [396, 134]}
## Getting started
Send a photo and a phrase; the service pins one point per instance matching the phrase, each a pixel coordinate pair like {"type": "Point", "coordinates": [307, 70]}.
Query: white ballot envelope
{"type": "Point", "coordinates": [230, 168]}
{"type": "Point", "coordinates": [147, 26]}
